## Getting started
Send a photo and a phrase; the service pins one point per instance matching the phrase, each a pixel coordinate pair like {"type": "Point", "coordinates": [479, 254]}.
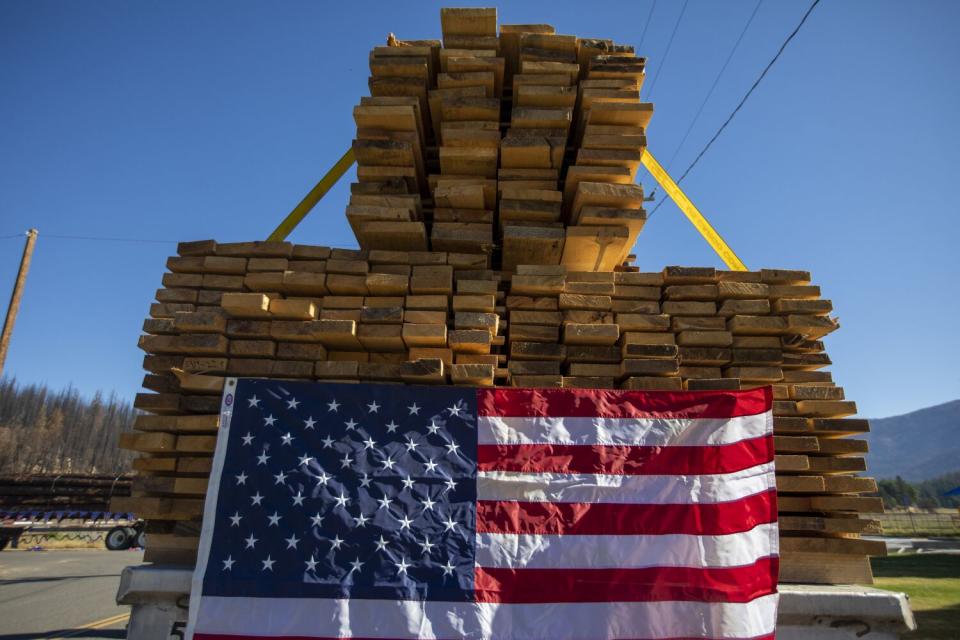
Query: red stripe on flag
{"type": "Point", "coordinates": [651, 584]}
{"type": "Point", "coordinates": [585, 518]}
{"type": "Point", "coordinates": [625, 460]}
{"type": "Point", "coordinates": [611, 403]}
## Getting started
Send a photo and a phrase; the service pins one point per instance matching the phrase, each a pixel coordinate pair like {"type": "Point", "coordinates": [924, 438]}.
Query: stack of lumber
{"type": "Point", "coordinates": [517, 144]}
{"type": "Point", "coordinates": [495, 209]}
{"type": "Point", "coordinates": [71, 493]}
{"type": "Point", "coordinates": [279, 310]}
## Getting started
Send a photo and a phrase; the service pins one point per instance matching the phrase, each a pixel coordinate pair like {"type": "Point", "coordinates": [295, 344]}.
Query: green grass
{"type": "Point", "coordinates": [933, 583]}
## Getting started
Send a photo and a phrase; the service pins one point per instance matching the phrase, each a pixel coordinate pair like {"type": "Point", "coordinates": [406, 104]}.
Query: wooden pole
{"type": "Point", "coordinates": [14, 306]}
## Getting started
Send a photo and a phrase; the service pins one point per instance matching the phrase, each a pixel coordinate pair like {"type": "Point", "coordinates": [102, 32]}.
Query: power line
{"type": "Point", "coordinates": [666, 53]}
{"type": "Point", "coordinates": [58, 236]}
{"type": "Point", "coordinates": [713, 86]}
{"type": "Point", "coordinates": [646, 25]}
{"type": "Point", "coordinates": [107, 239]}
{"type": "Point", "coordinates": [743, 100]}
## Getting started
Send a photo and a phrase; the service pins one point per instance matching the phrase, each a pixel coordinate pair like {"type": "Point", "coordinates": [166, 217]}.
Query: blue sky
{"type": "Point", "coordinates": [182, 120]}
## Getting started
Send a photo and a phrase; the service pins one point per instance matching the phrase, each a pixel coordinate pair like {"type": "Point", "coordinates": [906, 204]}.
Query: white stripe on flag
{"type": "Point", "coordinates": [650, 432]}
{"type": "Point", "coordinates": [612, 488]}
{"type": "Point", "coordinates": [408, 619]}
{"type": "Point", "coordinates": [536, 551]}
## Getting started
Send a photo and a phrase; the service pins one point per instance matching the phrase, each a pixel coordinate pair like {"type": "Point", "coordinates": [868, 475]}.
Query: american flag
{"type": "Point", "coordinates": [387, 511]}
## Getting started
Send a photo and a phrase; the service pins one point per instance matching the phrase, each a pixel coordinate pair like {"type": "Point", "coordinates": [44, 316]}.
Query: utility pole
{"type": "Point", "coordinates": [15, 296]}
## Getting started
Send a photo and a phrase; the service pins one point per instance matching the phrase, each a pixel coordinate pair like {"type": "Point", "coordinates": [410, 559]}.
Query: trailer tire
{"type": "Point", "coordinates": [141, 539]}
{"type": "Point", "coordinates": [117, 539]}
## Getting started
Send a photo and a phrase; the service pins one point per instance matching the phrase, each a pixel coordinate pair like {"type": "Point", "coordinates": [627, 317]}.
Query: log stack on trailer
{"type": "Point", "coordinates": [60, 495]}
{"type": "Point", "coordinates": [495, 210]}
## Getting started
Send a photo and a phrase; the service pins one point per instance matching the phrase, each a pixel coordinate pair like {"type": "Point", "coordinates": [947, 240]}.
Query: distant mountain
{"type": "Point", "coordinates": [917, 446]}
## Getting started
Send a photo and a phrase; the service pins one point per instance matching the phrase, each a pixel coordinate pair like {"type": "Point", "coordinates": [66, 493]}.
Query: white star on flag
{"type": "Point", "coordinates": [391, 426]}
{"type": "Point", "coordinates": [402, 566]}
{"type": "Point", "coordinates": [293, 403]}
{"type": "Point", "coordinates": [235, 519]}
{"type": "Point", "coordinates": [274, 519]}
{"type": "Point", "coordinates": [228, 563]}
{"type": "Point", "coordinates": [333, 406]}
{"type": "Point", "coordinates": [316, 520]}
{"type": "Point", "coordinates": [269, 420]}
{"type": "Point", "coordinates": [427, 545]}
{"type": "Point", "coordinates": [247, 439]}
{"type": "Point", "coordinates": [268, 564]}
{"type": "Point", "coordinates": [311, 563]}
{"type": "Point", "coordinates": [414, 409]}
{"type": "Point", "coordinates": [373, 407]}
{"type": "Point", "coordinates": [256, 498]}
{"type": "Point", "coordinates": [254, 402]}
{"type": "Point", "coordinates": [292, 542]}
{"type": "Point", "coordinates": [251, 542]}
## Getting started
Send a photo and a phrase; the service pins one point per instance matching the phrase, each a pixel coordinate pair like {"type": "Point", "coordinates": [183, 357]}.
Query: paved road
{"type": "Point", "coordinates": [54, 594]}
{"type": "Point", "coordinates": [920, 545]}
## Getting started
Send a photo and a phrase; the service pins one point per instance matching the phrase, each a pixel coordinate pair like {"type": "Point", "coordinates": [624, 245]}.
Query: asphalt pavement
{"type": "Point", "coordinates": [62, 594]}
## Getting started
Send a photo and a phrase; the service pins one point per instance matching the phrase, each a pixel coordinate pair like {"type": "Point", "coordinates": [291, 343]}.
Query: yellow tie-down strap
{"type": "Point", "coordinates": [693, 214]}
{"type": "Point", "coordinates": [311, 199]}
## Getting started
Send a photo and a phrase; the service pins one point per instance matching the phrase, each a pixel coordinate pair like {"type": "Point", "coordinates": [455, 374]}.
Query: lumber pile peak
{"type": "Point", "coordinates": [515, 144]}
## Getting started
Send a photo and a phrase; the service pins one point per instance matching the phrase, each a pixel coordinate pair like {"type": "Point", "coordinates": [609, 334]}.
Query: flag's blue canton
{"type": "Point", "coordinates": [344, 490]}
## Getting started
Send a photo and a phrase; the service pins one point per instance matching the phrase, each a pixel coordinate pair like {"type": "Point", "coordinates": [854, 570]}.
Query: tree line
{"type": "Point", "coordinates": [46, 431]}
{"type": "Point", "coordinates": [928, 494]}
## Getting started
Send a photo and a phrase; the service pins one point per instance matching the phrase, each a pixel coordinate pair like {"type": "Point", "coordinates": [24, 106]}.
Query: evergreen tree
{"type": "Point", "coordinates": [42, 431]}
